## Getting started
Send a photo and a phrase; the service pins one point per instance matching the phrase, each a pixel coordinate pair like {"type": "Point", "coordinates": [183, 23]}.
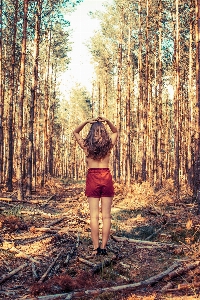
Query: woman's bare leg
{"type": "Point", "coordinates": [106, 203]}
{"type": "Point", "coordinates": [94, 220]}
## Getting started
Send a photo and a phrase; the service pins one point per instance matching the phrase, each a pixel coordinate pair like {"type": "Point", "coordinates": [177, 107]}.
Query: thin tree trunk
{"type": "Point", "coordinates": [145, 102]}
{"type": "Point", "coordinates": [118, 148]}
{"type": "Point", "coordinates": [11, 102]}
{"type": "Point", "coordinates": [128, 107]}
{"type": "Point", "coordinates": [160, 111]}
{"type": "Point", "coordinates": [197, 168]}
{"type": "Point", "coordinates": [51, 123]}
{"type": "Point", "coordinates": [33, 99]}
{"type": "Point", "coordinates": [1, 100]}
{"type": "Point", "coordinates": [140, 97]}
{"type": "Point", "coordinates": [21, 105]}
{"type": "Point", "coordinates": [177, 105]}
{"type": "Point", "coordinates": [46, 110]}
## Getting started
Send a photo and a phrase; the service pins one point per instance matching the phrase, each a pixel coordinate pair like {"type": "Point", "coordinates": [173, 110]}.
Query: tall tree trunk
{"type": "Point", "coordinates": [46, 109]}
{"type": "Point", "coordinates": [21, 104]}
{"type": "Point", "coordinates": [1, 99]}
{"type": "Point", "coordinates": [33, 98]}
{"type": "Point", "coordinates": [191, 105]}
{"type": "Point", "coordinates": [160, 111]}
{"type": "Point", "coordinates": [119, 78]}
{"type": "Point", "coordinates": [197, 173]}
{"type": "Point", "coordinates": [128, 107]}
{"type": "Point", "coordinates": [11, 103]}
{"type": "Point", "coordinates": [52, 121]}
{"type": "Point", "coordinates": [177, 104]}
{"type": "Point", "coordinates": [145, 102]}
{"type": "Point", "coordinates": [140, 97]}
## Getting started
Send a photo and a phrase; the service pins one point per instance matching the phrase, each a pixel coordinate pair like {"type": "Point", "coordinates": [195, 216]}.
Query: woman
{"type": "Point", "coordinates": [97, 147]}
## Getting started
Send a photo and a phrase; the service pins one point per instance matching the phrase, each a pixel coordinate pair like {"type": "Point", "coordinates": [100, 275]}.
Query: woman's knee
{"type": "Point", "coordinates": [94, 218]}
{"type": "Point", "coordinates": [106, 217]}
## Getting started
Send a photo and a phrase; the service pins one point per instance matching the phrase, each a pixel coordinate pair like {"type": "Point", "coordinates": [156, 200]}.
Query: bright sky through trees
{"type": "Point", "coordinates": [83, 26]}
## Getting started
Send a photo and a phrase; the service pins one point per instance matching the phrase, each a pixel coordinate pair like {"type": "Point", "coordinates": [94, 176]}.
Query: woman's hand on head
{"type": "Point", "coordinates": [93, 120]}
{"type": "Point", "coordinates": [101, 119]}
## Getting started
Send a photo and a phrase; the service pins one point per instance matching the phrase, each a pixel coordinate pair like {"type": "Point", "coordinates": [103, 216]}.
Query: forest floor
{"type": "Point", "coordinates": [153, 252]}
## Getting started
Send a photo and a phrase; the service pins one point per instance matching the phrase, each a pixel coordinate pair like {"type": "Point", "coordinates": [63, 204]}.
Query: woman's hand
{"type": "Point", "coordinates": [102, 119]}
{"type": "Point", "coordinates": [91, 121]}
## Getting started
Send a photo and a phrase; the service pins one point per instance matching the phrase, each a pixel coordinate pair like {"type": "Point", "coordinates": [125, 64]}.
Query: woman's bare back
{"type": "Point", "coordinates": [102, 163]}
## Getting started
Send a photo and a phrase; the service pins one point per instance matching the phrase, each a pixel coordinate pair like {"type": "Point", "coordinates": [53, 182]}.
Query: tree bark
{"type": "Point", "coordinates": [1, 99]}
{"type": "Point", "coordinates": [33, 99]}
{"type": "Point", "coordinates": [21, 105]}
{"type": "Point", "coordinates": [197, 168]}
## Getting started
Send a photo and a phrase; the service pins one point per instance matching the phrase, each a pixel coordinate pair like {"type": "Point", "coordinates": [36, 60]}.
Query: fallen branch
{"type": "Point", "coordinates": [192, 285]}
{"type": "Point", "coordinates": [156, 244]}
{"type": "Point", "coordinates": [183, 269]}
{"type": "Point", "coordinates": [49, 199]}
{"type": "Point", "coordinates": [49, 268]}
{"type": "Point", "coordinates": [101, 265]}
{"type": "Point", "coordinates": [38, 238]}
{"type": "Point", "coordinates": [64, 296]}
{"type": "Point", "coordinates": [156, 232]}
{"type": "Point", "coordinates": [35, 275]}
{"type": "Point", "coordinates": [43, 229]}
{"type": "Point", "coordinates": [168, 286]}
{"type": "Point", "coordinates": [69, 254]}
{"type": "Point", "coordinates": [11, 248]}
{"type": "Point", "coordinates": [24, 255]}
{"type": "Point", "coordinates": [183, 286]}
{"type": "Point", "coordinates": [10, 274]}
{"type": "Point", "coordinates": [55, 222]}
{"type": "Point", "coordinates": [83, 220]}
{"type": "Point", "coordinates": [87, 262]}
{"type": "Point", "coordinates": [5, 199]}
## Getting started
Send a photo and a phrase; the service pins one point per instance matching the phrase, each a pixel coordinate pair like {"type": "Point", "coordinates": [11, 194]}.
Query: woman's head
{"type": "Point", "coordinates": [98, 142]}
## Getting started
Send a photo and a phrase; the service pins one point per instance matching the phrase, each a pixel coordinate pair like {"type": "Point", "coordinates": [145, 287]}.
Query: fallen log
{"type": "Point", "coordinates": [13, 272]}
{"type": "Point", "coordinates": [156, 244]}
{"type": "Point", "coordinates": [184, 286]}
{"type": "Point", "coordinates": [182, 270]}
{"type": "Point", "coordinates": [64, 296]}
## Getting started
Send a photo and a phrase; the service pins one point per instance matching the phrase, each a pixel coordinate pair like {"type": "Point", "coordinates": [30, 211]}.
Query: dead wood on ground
{"type": "Point", "coordinates": [99, 291]}
{"type": "Point", "coordinates": [10, 274]}
{"type": "Point", "coordinates": [50, 267]}
{"type": "Point", "coordinates": [10, 247]}
{"type": "Point", "coordinates": [183, 269]}
{"type": "Point", "coordinates": [149, 243]}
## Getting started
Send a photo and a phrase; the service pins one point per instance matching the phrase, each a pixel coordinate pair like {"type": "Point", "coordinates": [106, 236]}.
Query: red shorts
{"type": "Point", "coordinates": [99, 183]}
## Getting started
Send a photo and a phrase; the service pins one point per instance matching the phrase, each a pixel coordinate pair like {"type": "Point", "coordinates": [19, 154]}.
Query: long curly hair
{"type": "Point", "coordinates": [98, 143]}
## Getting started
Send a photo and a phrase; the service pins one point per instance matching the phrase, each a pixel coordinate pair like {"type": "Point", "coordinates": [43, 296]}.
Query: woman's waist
{"type": "Point", "coordinates": [97, 165]}
{"type": "Point", "coordinates": [98, 170]}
